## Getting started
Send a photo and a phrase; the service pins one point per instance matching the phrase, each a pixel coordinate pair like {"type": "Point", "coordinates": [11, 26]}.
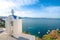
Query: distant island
{"type": "Point", "coordinates": [4, 17]}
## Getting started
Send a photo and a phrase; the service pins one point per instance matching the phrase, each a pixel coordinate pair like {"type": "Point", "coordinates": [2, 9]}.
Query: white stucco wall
{"type": "Point", "coordinates": [7, 26]}
{"type": "Point", "coordinates": [17, 28]}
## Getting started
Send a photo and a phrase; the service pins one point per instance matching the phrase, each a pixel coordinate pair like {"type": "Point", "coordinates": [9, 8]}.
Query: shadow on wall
{"type": "Point", "coordinates": [2, 23]}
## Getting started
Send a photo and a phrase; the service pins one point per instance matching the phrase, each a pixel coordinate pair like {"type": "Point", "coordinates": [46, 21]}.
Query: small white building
{"type": "Point", "coordinates": [13, 26]}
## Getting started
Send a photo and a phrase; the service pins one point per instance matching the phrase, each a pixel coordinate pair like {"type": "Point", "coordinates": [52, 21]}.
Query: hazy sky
{"type": "Point", "coordinates": [31, 8]}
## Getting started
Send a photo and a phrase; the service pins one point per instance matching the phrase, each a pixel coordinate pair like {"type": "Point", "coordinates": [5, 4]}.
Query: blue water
{"type": "Point", "coordinates": [42, 25]}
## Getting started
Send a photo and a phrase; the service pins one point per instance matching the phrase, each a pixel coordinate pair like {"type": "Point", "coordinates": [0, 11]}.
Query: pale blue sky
{"type": "Point", "coordinates": [31, 8]}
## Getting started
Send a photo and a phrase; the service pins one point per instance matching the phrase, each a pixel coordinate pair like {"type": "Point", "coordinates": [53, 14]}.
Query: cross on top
{"type": "Point", "coordinates": [12, 11]}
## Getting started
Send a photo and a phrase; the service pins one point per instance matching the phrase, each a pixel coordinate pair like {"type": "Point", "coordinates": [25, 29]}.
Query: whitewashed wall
{"type": "Point", "coordinates": [17, 28]}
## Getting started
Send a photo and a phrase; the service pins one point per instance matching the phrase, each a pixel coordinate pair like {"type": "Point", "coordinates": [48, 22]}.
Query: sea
{"type": "Point", "coordinates": [40, 26]}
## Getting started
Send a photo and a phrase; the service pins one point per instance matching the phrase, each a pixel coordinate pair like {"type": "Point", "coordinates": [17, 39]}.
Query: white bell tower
{"type": "Point", "coordinates": [13, 25]}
